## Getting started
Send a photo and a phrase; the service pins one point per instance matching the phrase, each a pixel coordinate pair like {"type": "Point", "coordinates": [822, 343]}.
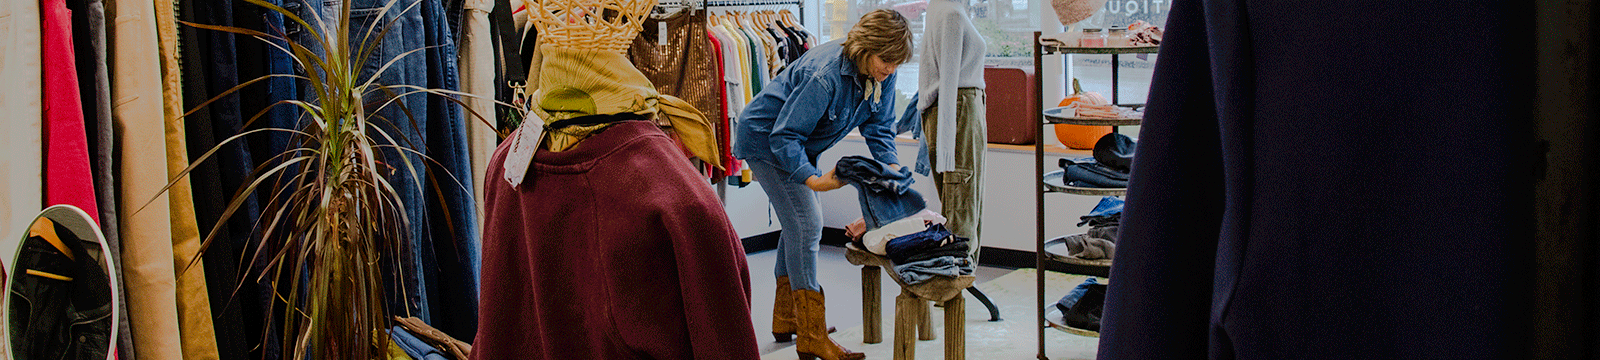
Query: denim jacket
{"type": "Point", "coordinates": [809, 107]}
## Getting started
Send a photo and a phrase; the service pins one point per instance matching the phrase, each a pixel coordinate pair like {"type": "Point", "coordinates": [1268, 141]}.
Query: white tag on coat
{"type": "Point", "coordinates": [661, 33]}
{"type": "Point", "coordinates": [529, 137]}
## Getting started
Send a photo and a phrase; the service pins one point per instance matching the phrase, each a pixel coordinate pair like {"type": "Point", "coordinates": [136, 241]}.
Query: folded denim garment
{"type": "Point", "coordinates": [922, 271]}
{"type": "Point", "coordinates": [414, 346]}
{"type": "Point", "coordinates": [1088, 173]}
{"type": "Point", "coordinates": [886, 194]}
{"type": "Point", "coordinates": [1109, 205]}
{"type": "Point", "coordinates": [1072, 297]}
{"type": "Point", "coordinates": [1098, 221]}
{"type": "Point", "coordinates": [904, 247]}
{"type": "Point", "coordinates": [958, 248]}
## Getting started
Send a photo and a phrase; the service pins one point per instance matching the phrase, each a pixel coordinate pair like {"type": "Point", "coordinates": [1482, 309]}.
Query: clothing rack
{"type": "Point", "coordinates": [706, 4]}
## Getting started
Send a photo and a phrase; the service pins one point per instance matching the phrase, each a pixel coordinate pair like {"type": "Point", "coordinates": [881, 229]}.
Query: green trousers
{"type": "Point", "coordinates": [961, 190]}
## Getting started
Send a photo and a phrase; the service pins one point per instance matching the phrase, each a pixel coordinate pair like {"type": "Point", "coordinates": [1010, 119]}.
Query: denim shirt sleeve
{"type": "Point", "coordinates": [793, 125]}
{"type": "Point", "coordinates": [879, 130]}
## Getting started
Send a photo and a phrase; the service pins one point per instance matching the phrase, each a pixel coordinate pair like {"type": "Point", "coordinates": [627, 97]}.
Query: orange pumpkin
{"type": "Point", "coordinates": [1081, 137]}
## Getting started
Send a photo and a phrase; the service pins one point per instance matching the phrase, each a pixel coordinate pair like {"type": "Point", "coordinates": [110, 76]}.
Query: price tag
{"type": "Point", "coordinates": [661, 33]}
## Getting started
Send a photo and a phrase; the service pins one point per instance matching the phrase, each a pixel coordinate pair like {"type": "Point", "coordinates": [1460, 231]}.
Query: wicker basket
{"type": "Point", "coordinates": [1072, 11]}
{"type": "Point", "coordinates": [607, 25]}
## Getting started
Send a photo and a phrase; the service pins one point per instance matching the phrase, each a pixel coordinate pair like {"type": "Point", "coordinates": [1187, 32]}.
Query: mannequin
{"type": "Point", "coordinates": [951, 102]}
{"type": "Point", "coordinates": [600, 240]}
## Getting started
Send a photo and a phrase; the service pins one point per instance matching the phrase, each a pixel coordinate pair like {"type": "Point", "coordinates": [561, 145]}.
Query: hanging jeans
{"type": "Point", "coordinates": [799, 213]}
{"type": "Point", "coordinates": [452, 220]}
{"type": "Point", "coordinates": [960, 190]}
{"type": "Point", "coordinates": [404, 119]}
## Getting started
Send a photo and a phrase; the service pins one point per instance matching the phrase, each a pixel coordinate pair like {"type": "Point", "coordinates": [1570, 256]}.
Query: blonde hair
{"type": "Point", "coordinates": [882, 32]}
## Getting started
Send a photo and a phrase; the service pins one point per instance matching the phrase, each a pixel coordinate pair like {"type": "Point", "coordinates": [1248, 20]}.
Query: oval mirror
{"type": "Point", "coordinates": [60, 301]}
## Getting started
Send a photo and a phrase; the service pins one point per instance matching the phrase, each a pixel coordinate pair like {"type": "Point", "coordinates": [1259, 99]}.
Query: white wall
{"type": "Point", "coordinates": [1008, 209]}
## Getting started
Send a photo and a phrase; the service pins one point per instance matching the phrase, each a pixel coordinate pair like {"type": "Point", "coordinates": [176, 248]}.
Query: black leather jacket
{"type": "Point", "coordinates": [56, 319]}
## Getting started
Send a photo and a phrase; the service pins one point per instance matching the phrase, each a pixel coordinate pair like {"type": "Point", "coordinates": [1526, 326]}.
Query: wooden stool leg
{"type": "Point", "coordinates": [871, 304]}
{"type": "Point", "coordinates": [955, 328]}
{"type": "Point", "coordinates": [905, 325]}
{"type": "Point", "coordinates": [925, 321]}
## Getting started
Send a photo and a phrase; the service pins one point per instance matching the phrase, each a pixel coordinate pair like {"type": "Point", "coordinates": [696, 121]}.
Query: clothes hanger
{"type": "Point", "coordinates": [45, 229]}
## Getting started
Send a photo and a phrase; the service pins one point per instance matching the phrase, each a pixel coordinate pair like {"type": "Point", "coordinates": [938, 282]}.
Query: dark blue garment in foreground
{"type": "Point", "coordinates": [1329, 180]}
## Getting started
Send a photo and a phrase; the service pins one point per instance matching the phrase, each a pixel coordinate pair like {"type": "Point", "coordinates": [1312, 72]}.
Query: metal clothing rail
{"type": "Point", "coordinates": [752, 2]}
{"type": "Point", "coordinates": [705, 4]}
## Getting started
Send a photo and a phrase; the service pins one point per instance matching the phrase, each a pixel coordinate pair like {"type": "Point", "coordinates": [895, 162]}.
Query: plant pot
{"type": "Point", "coordinates": [1072, 11]}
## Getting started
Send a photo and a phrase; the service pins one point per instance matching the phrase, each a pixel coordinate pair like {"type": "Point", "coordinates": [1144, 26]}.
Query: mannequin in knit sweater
{"type": "Point", "coordinates": [951, 101]}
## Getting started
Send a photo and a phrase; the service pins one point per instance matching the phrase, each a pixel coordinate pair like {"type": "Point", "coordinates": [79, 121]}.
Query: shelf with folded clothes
{"type": "Point", "coordinates": [1055, 182]}
{"type": "Point", "coordinates": [1060, 249]}
{"type": "Point", "coordinates": [1106, 174]}
{"type": "Point", "coordinates": [1054, 319]}
{"type": "Point", "coordinates": [1064, 115]}
{"type": "Point", "coordinates": [1078, 312]}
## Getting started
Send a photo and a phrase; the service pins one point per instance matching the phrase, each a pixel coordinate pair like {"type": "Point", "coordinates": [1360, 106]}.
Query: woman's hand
{"type": "Point", "coordinates": [826, 182]}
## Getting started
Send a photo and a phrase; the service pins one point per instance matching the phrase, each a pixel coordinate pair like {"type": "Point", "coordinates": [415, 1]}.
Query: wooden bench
{"type": "Point", "coordinates": [911, 312]}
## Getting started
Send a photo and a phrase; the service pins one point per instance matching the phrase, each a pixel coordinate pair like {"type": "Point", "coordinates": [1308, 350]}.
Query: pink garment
{"type": "Point", "coordinates": [67, 176]}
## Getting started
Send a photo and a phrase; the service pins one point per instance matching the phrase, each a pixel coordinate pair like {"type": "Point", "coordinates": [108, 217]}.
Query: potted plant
{"type": "Point", "coordinates": [334, 224]}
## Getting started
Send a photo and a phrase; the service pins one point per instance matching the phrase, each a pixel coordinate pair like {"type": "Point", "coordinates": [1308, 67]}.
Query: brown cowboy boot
{"type": "Point", "coordinates": [814, 342]}
{"type": "Point", "coordinates": [783, 322]}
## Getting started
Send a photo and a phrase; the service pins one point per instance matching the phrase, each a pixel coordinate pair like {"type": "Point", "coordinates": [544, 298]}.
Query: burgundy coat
{"type": "Point", "coordinates": [613, 249]}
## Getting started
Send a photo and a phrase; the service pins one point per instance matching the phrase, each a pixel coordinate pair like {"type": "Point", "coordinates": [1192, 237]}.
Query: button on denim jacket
{"type": "Point", "coordinates": [809, 107]}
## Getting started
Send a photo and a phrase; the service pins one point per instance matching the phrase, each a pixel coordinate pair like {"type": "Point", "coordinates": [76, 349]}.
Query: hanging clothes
{"type": "Point", "coordinates": [210, 68]}
{"type": "Point", "coordinates": [20, 101]}
{"type": "Point", "coordinates": [405, 120]}
{"type": "Point", "coordinates": [148, 270]}
{"type": "Point", "coordinates": [199, 340]}
{"type": "Point", "coordinates": [454, 225]}
{"type": "Point", "coordinates": [94, 84]}
{"type": "Point", "coordinates": [678, 66]}
{"type": "Point", "coordinates": [258, 58]}
{"type": "Point", "coordinates": [68, 179]}
{"type": "Point", "coordinates": [477, 60]}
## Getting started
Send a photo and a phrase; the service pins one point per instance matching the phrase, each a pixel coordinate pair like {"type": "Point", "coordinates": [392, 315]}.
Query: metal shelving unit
{"type": "Point", "coordinates": [1054, 250]}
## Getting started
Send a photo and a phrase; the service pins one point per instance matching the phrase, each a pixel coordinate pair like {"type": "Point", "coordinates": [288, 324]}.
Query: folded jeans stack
{"type": "Point", "coordinates": [1109, 168]}
{"type": "Point", "coordinates": [1083, 306]}
{"type": "Point", "coordinates": [1100, 241]}
{"type": "Point", "coordinates": [877, 241]}
{"type": "Point", "coordinates": [930, 253]}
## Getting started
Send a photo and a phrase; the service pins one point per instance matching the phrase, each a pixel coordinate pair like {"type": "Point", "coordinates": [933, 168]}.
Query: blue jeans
{"type": "Point", "coordinates": [452, 215]}
{"type": "Point", "coordinates": [800, 213]}
{"type": "Point", "coordinates": [405, 120]}
{"type": "Point", "coordinates": [921, 271]}
{"type": "Point", "coordinates": [886, 194]}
